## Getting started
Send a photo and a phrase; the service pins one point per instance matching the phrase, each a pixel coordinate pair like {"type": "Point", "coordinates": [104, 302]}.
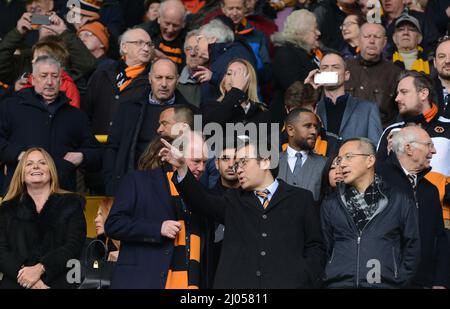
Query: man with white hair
{"type": "Point", "coordinates": [404, 170]}
{"type": "Point", "coordinates": [217, 46]}
{"type": "Point", "coordinates": [124, 81]}
{"type": "Point", "coordinates": [168, 31]}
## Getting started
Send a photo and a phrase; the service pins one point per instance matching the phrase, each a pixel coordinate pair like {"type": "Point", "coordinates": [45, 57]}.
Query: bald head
{"type": "Point", "coordinates": [163, 78]}
{"type": "Point", "coordinates": [136, 47]}
{"type": "Point", "coordinates": [172, 14]}
{"type": "Point", "coordinates": [194, 151]}
{"type": "Point", "coordinates": [372, 40]}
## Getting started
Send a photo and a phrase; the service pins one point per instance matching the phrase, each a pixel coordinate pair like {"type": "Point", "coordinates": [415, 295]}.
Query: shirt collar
{"type": "Point", "coordinates": [272, 188]}
{"type": "Point", "coordinates": [340, 100]}
{"type": "Point", "coordinates": [292, 152]}
{"type": "Point", "coordinates": [155, 102]}
{"type": "Point", "coordinates": [186, 77]}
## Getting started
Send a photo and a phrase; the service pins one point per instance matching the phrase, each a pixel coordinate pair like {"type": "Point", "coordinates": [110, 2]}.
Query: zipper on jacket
{"type": "Point", "coordinates": [395, 263]}
{"type": "Point", "coordinates": [357, 260]}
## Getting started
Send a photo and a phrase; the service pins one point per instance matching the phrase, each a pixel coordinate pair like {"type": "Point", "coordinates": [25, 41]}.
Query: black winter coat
{"type": "Point", "coordinates": [434, 267]}
{"type": "Point", "coordinates": [25, 121]}
{"type": "Point", "coordinates": [277, 247]}
{"type": "Point", "coordinates": [103, 98]}
{"type": "Point", "coordinates": [52, 237]}
{"type": "Point", "coordinates": [387, 252]}
{"type": "Point", "coordinates": [120, 155]}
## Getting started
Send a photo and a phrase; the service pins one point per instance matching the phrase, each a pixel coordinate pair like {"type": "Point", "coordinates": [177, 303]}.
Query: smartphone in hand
{"type": "Point", "coordinates": [326, 78]}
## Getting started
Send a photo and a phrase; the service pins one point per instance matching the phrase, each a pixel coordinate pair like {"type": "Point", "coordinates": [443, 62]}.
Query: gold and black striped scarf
{"type": "Point", "coordinates": [421, 64]}
{"type": "Point", "coordinates": [184, 271]}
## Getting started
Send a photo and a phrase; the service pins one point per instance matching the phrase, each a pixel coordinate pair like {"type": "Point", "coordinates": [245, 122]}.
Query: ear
{"type": "Point", "coordinates": [346, 75]}
{"type": "Point", "coordinates": [290, 130]}
{"type": "Point", "coordinates": [264, 164]}
{"type": "Point", "coordinates": [394, 38]}
{"type": "Point", "coordinates": [409, 150]}
{"type": "Point", "coordinates": [32, 80]}
{"type": "Point", "coordinates": [420, 39]}
{"type": "Point", "coordinates": [371, 161]}
{"type": "Point", "coordinates": [212, 40]}
{"type": "Point", "coordinates": [216, 162]}
{"type": "Point", "coordinates": [424, 93]}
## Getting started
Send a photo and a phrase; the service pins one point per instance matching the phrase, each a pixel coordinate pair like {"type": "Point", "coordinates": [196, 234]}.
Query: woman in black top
{"type": "Point", "coordinates": [239, 101]}
{"type": "Point", "coordinates": [41, 226]}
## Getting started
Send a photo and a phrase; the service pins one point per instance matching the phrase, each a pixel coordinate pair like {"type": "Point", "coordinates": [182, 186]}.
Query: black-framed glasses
{"type": "Point", "coordinates": [241, 163]}
{"type": "Point", "coordinates": [141, 43]}
{"type": "Point", "coordinates": [349, 156]}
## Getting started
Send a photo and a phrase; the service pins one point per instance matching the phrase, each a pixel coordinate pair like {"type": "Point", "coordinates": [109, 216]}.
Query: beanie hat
{"type": "Point", "coordinates": [97, 29]}
{"type": "Point", "coordinates": [91, 8]}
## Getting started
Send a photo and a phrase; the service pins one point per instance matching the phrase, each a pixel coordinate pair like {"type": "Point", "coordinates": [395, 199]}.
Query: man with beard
{"type": "Point", "coordinates": [299, 165]}
{"type": "Point", "coordinates": [414, 99]}
{"type": "Point", "coordinates": [344, 116]}
{"type": "Point", "coordinates": [442, 81]}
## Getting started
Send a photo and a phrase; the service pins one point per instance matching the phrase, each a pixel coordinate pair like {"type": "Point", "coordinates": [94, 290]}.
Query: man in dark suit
{"type": "Point", "coordinates": [299, 165]}
{"type": "Point", "coordinates": [405, 170]}
{"type": "Point", "coordinates": [344, 116]}
{"type": "Point", "coordinates": [160, 239]}
{"type": "Point", "coordinates": [272, 239]}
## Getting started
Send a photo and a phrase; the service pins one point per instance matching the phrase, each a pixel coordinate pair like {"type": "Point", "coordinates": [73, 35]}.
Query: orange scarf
{"type": "Point", "coordinates": [125, 78]}
{"type": "Point", "coordinates": [431, 113]}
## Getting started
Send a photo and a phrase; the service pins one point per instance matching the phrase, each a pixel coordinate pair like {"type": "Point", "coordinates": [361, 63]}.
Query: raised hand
{"type": "Point", "coordinates": [24, 23]}
{"type": "Point", "coordinates": [174, 157]}
{"type": "Point", "coordinates": [203, 74]}
{"type": "Point", "coordinates": [239, 79]}
{"type": "Point", "coordinates": [310, 79]}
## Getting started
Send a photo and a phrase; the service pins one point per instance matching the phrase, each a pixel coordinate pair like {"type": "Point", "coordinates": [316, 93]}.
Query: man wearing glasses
{"type": "Point", "coordinates": [405, 169]}
{"type": "Point", "coordinates": [370, 230]}
{"type": "Point", "coordinates": [272, 237]}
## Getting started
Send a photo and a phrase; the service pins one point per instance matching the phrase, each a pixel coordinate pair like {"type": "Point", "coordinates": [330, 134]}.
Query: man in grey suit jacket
{"type": "Point", "coordinates": [299, 165]}
{"type": "Point", "coordinates": [342, 115]}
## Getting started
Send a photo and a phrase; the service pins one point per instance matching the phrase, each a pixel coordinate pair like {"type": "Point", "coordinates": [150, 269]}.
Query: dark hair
{"type": "Point", "coordinates": [241, 143]}
{"type": "Point", "coordinates": [295, 113]}
{"type": "Point", "coordinates": [421, 81]}
{"type": "Point", "coordinates": [335, 52]}
{"type": "Point", "coordinates": [300, 95]}
{"type": "Point", "coordinates": [182, 113]}
{"type": "Point", "coordinates": [360, 18]}
{"type": "Point", "coordinates": [325, 188]}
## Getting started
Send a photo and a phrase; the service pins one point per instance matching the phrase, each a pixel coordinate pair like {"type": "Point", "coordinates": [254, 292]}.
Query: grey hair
{"type": "Point", "coordinates": [217, 29]}
{"type": "Point", "coordinates": [47, 60]}
{"type": "Point", "coordinates": [164, 4]}
{"type": "Point", "coordinates": [365, 144]}
{"type": "Point", "coordinates": [296, 25]}
{"type": "Point", "coordinates": [195, 32]}
{"type": "Point", "coordinates": [401, 138]}
{"type": "Point", "coordinates": [124, 37]}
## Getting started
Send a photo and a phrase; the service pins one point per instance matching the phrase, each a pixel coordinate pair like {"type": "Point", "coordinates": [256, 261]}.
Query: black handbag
{"type": "Point", "coordinates": [98, 271]}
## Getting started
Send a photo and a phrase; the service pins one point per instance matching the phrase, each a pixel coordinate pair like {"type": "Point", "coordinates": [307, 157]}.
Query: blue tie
{"type": "Point", "coordinates": [298, 163]}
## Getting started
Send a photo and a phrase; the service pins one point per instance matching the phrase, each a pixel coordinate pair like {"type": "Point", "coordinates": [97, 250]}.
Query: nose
{"type": "Point", "coordinates": [160, 129]}
{"type": "Point", "coordinates": [433, 150]}
{"type": "Point", "coordinates": [397, 98]}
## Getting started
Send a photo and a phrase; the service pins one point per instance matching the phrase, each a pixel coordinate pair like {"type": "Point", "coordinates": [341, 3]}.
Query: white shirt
{"type": "Point", "coordinates": [407, 173]}
{"type": "Point", "coordinates": [292, 158]}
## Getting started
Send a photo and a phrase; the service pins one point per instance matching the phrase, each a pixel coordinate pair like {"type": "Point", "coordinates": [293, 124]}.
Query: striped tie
{"type": "Point", "coordinates": [265, 196]}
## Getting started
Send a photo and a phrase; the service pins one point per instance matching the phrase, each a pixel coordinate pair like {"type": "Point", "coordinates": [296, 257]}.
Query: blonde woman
{"type": "Point", "coordinates": [239, 101]}
{"type": "Point", "coordinates": [41, 226]}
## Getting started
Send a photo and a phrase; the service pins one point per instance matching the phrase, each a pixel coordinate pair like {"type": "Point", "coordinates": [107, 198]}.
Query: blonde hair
{"type": "Point", "coordinates": [18, 187]}
{"type": "Point", "coordinates": [296, 25]}
{"type": "Point", "coordinates": [105, 206]}
{"type": "Point", "coordinates": [252, 86]}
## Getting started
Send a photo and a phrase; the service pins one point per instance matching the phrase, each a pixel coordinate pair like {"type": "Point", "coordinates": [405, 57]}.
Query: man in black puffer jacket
{"type": "Point", "coordinates": [370, 230]}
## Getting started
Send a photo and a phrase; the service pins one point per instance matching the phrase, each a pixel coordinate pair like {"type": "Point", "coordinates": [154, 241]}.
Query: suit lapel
{"type": "Point", "coordinates": [349, 107]}
{"type": "Point", "coordinates": [282, 193]}
{"type": "Point", "coordinates": [283, 165]}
